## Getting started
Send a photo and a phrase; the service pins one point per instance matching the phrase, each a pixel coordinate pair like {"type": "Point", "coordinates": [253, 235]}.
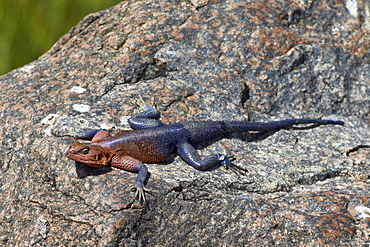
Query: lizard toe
{"type": "Point", "coordinates": [140, 194]}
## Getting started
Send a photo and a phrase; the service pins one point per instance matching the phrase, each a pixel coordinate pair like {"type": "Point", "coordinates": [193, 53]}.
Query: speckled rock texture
{"type": "Point", "coordinates": [251, 60]}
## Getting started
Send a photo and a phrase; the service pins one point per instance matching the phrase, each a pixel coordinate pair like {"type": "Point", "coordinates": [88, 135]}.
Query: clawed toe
{"type": "Point", "coordinates": [140, 194]}
{"type": "Point", "coordinates": [237, 169]}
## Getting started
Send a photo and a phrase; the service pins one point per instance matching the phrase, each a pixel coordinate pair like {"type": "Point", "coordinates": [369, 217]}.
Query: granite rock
{"type": "Point", "coordinates": [221, 60]}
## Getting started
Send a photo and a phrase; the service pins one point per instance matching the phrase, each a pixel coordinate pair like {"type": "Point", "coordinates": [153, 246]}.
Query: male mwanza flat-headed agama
{"type": "Point", "coordinates": [152, 141]}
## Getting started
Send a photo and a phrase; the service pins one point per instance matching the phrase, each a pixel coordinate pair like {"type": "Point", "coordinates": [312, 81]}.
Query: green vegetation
{"type": "Point", "coordinates": [28, 28]}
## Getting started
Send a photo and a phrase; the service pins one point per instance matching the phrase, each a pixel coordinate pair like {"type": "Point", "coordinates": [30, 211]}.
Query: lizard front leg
{"type": "Point", "coordinates": [133, 165]}
{"type": "Point", "coordinates": [93, 135]}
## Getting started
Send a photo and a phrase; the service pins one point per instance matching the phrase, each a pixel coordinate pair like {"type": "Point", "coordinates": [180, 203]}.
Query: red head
{"type": "Point", "coordinates": [89, 154]}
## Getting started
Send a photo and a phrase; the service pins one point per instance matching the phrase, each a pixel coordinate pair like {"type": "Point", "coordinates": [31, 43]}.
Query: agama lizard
{"type": "Point", "coordinates": [152, 141]}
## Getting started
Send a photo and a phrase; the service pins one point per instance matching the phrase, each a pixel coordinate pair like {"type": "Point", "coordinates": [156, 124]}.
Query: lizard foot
{"type": "Point", "coordinates": [142, 105]}
{"type": "Point", "coordinates": [140, 194]}
{"type": "Point", "coordinates": [225, 161]}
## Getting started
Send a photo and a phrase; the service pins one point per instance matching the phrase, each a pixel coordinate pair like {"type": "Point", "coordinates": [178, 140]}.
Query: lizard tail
{"type": "Point", "coordinates": [243, 126]}
{"type": "Point", "coordinates": [206, 130]}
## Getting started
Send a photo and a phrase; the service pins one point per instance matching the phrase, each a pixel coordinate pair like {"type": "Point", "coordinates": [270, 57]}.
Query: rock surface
{"type": "Point", "coordinates": [255, 60]}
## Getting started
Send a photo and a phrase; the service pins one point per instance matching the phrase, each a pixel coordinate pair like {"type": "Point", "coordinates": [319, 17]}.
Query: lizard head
{"type": "Point", "coordinates": [89, 154]}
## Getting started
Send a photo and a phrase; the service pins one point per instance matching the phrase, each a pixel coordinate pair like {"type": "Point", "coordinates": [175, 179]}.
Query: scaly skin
{"type": "Point", "coordinates": [151, 141]}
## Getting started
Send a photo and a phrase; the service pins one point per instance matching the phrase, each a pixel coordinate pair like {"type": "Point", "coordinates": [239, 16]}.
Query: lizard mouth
{"type": "Point", "coordinates": [77, 157]}
{"type": "Point", "coordinates": [84, 159]}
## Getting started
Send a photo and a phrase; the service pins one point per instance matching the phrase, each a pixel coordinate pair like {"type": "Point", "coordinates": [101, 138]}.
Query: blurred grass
{"type": "Point", "coordinates": [28, 28]}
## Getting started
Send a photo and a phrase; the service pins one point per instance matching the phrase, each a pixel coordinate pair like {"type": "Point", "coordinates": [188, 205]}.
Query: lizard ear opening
{"type": "Point", "coordinates": [102, 159]}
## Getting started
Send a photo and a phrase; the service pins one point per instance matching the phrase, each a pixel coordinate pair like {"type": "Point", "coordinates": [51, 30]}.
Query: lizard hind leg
{"type": "Point", "coordinates": [188, 153]}
{"type": "Point", "coordinates": [148, 118]}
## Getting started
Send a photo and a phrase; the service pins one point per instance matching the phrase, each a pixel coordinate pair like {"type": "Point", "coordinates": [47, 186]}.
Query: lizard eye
{"type": "Point", "coordinates": [85, 150]}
